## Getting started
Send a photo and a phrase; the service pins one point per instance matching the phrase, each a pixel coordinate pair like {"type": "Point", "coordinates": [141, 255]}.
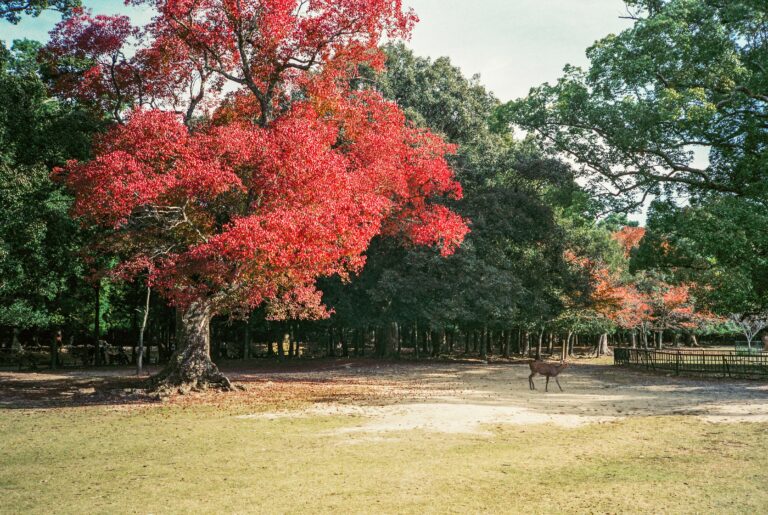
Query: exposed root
{"type": "Point", "coordinates": [190, 370]}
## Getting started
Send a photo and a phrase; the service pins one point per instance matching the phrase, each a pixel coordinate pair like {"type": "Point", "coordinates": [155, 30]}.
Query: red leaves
{"type": "Point", "coordinates": [288, 180]}
{"type": "Point", "coordinates": [95, 45]}
{"type": "Point", "coordinates": [438, 225]}
{"type": "Point", "coordinates": [629, 238]}
{"type": "Point", "coordinates": [151, 160]}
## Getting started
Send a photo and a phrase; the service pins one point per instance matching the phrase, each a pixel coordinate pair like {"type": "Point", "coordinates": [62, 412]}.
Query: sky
{"type": "Point", "coordinates": [514, 44]}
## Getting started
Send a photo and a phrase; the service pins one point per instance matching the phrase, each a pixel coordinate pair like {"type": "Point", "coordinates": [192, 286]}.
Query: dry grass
{"type": "Point", "coordinates": [198, 455]}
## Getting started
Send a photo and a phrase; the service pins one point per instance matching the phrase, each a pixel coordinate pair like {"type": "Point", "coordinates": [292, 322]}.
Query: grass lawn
{"type": "Point", "coordinates": [203, 457]}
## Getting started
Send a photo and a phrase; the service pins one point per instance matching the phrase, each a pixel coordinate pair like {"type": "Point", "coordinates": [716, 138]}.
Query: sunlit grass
{"type": "Point", "coordinates": [199, 458]}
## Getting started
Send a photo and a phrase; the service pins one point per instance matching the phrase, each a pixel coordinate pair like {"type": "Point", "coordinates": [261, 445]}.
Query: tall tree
{"type": "Point", "coordinates": [718, 245]}
{"type": "Point", "coordinates": [40, 270]}
{"type": "Point", "coordinates": [232, 204]}
{"type": "Point", "coordinates": [689, 76]}
{"type": "Point", "coordinates": [511, 265]}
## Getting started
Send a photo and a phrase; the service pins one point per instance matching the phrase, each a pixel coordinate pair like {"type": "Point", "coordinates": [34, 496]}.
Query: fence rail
{"type": "Point", "coordinates": [722, 364]}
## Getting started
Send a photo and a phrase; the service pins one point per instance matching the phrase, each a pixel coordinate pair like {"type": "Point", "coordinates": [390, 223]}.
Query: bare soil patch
{"type": "Point", "coordinates": [467, 397]}
{"type": "Point", "coordinates": [447, 397]}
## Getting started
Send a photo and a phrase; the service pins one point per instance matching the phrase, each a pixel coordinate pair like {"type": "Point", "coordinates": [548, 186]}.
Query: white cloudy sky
{"type": "Point", "coordinates": [513, 44]}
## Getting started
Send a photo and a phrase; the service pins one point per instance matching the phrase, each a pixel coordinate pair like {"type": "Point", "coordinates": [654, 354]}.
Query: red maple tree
{"type": "Point", "coordinates": [629, 238]}
{"type": "Point", "coordinates": [245, 163]}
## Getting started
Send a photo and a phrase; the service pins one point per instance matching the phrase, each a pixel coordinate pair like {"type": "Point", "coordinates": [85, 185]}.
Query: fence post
{"type": "Point", "coordinates": [677, 363]}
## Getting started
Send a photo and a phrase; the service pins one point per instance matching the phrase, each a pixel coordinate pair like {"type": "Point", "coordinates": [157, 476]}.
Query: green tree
{"type": "Point", "coordinates": [510, 270]}
{"type": "Point", "coordinates": [40, 270]}
{"type": "Point", "coordinates": [720, 245]}
{"type": "Point", "coordinates": [13, 10]}
{"type": "Point", "coordinates": [688, 76]}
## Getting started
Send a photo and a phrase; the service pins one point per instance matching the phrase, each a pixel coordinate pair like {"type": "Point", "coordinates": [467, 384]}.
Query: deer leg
{"type": "Point", "coordinates": [531, 384]}
{"type": "Point", "coordinates": [546, 386]}
{"type": "Point", "coordinates": [558, 383]}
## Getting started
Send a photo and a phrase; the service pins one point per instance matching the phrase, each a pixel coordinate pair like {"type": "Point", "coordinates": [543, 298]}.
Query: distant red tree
{"type": "Point", "coordinates": [244, 164]}
{"type": "Point", "coordinates": [629, 238]}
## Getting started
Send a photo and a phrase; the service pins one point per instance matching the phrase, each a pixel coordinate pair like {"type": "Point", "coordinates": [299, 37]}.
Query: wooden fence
{"type": "Point", "coordinates": [718, 364]}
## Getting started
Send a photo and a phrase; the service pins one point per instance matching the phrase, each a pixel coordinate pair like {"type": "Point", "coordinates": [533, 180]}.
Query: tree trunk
{"type": "Point", "coordinates": [140, 357]}
{"type": "Point", "coordinates": [190, 367]}
{"type": "Point", "coordinates": [603, 349]}
{"type": "Point", "coordinates": [539, 345]}
{"type": "Point", "coordinates": [344, 344]}
{"type": "Point", "coordinates": [283, 343]}
{"type": "Point", "coordinates": [97, 327]}
{"type": "Point", "coordinates": [389, 340]}
{"type": "Point", "coordinates": [438, 342]}
{"type": "Point", "coordinates": [566, 344]}
{"type": "Point", "coordinates": [526, 344]}
{"type": "Point", "coordinates": [55, 346]}
{"type": "Point", "coordinates": [331, 343]}
{"type": "Point", "coordinates": [416, 339]}
{"type": "Point", "coordinates": [247, 339]}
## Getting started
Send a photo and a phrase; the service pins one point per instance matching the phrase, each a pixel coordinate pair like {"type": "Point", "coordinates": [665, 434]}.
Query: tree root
{"type": "Point", "coordinates": [190, 371]}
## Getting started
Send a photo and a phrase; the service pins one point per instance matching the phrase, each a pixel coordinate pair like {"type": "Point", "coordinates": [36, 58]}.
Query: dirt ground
{"type": "Point", "coordinates": [442, 397]}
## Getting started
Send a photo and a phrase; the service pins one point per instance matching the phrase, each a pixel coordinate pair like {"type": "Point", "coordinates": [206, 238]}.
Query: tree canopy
{"type": "Point", "coordinates": [689, 76]}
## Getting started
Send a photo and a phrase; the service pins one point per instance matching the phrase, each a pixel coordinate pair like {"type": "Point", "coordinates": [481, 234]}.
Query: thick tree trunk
{"type": "Point", "coordinates": [604, 349]}
{"type": "Point", "coordinates": [190, 366]}
{"type": "Point", "coordinates": [389, 340]}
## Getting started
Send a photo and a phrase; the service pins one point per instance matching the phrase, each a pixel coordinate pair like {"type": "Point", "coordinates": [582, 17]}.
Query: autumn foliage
{"type": "Point", "coordinates": [245, 164]}
{"type": "Point", "coordinates": [629, 238]}
{"type": "Point", "coordinates": [640, 303]}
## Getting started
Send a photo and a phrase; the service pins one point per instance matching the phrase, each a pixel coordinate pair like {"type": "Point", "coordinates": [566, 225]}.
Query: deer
{"type": "Point", "coordinates": [548, 370]}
